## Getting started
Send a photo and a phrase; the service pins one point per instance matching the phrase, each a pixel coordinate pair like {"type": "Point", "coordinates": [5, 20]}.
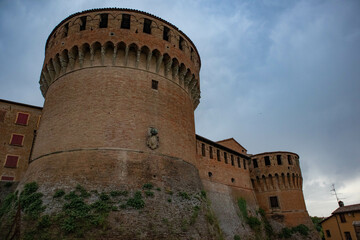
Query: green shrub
{"type": "Point", "coordinates": [8, 184]}
{"type": "Point", "coordinates": [148, 186]}
{"type": "Point", "coordinates": [82, 190]}
{"type": "Point", "coordinates": [169, 200]}
{"type": "Point", "coordinates": [119, 193]}
{"type": "Point", "coordinates": [194, 215]}
{"type": "Point", "coordinates": [136, 202]}
{"type": "Point", "coordinates": [158, 189]}
{"type": "Point", "coordinates": [184, 195]}
{"type": "Point", "coordinates": [59, 193]}
{"type": "Point", "coordinates": [7, 204]}
{"type": "Point", "coordinates": [242, 207]}
{"type": "Point", "coordinates": [203, 194]}
{"type": "Point", "coordinates": [149, 193]}
{"type": "Point", "coordinates": [262, 212]}
{"type": "Point", "coordinates": [44, 222]}
{"type": "Point", "coordinates": [30, 200]}
{"type": "Point", "coordinates": [253, 222]}
{"type": "Point", "coordinates": [302, 229]}
{"type": "Point", "coordinates": [237, 237]}
{"type": "Point", "coordinates": [285, 233]}
{"type": "Point", "coordinates": [104, 197]}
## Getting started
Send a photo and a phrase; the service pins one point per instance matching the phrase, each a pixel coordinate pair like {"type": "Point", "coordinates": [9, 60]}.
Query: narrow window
{"type": "Point", "coordinates": [210, 174]}
{"type": "Point", "coordinates": [211, 152]}
{"type": "Point", "coordinates": [11, 161]}
{"type": "Point", "coordinates": [238, 162]}
{"type": "Point", "coordinates": [289, 160]}
{"type": "Point", "coordinates": [7, 178]}
{"type": "Point", "coordinates": [166, 33]}
{"type": "Point", "coordinates": [232, 160]}
{"type": "Point", "coordinates": [278, 158]}
{"type": "Point", "coordinates": [103, 20]}
{"type": "Point", "coordinates": [328, 234]}
{"type": "Point", "coordinates": [181, 42]}
{"type": "Point", "coordinates": [267, 161]}
{"type": "Point", "coordinates": [16, 139]}
{"type": "Point", "coordinates": [342, 218]}
{"type": "Point", "coordinates": [66, 29]}
{"type": "Point", "coordinates": [244, 163]}
{"type": "Point", "coordinates": [125, 21]}
{"type": "Point", "coordinates": [22, 118]}
{"type": "Point", "coordinates": [232, 180]}
{"type": "Point", "coordinates": [274, 202]}
{"type": "Point", "coordinates": [347, 236]}
{"type": "Point", "coordinates": [218, 155]}
{"type": "Point", "coordinates": [83, 23]}
{"type": "Point", "coordinates": [225, 158]}
{"type": "Point", "coordinates": [154, 84]}
{"type": "Point", "coordinates": [147, 26]}
{"type": "Point", "coordinates": [191, 53]}
{"type": "Point", "coordinates": [254, 163]}
{"type": "Point", "coordinates": [203, 149]}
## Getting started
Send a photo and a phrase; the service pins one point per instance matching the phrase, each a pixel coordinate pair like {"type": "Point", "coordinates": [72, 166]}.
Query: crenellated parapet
{"type": "Point", "coordinates": [275, 170]}
{"type": "Point", "coordinates": [122, 38]}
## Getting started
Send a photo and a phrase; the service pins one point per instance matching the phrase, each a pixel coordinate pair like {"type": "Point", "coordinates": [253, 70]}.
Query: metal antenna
{"type": "Point", "coordinates": [333, 190]}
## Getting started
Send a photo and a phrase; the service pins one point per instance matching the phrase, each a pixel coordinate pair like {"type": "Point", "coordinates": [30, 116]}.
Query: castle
{"type": "Point", "coordinates": [120, 89]}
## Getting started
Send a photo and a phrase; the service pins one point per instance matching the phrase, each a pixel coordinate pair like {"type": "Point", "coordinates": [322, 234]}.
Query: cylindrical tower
{"type": "Point", "coordinates": [277, 181]}
{"type": "Point", "coordinates": [120, 88]}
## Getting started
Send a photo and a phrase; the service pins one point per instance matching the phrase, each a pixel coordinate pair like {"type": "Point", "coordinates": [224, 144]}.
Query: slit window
{"type": "Point", "coordinates": [218, 155]}
{"type": "Point", "coordinates": [11, 161]}
{"type": "Point", "coordinates": [147, 26]}
{"type": "Point", "coordinates": [66, 29]}
{"type": "Point", "coordinates": [232, 160]}
{"type": "Point", "coordinates": [16, 139]}
{"type": "Point", "coordinates": [166, 33]}
{"type": "Point", "coordinates": [154, 84]}
{"type": "Point", "coordinates": [347, 236]}
{"type": "Point", "coordinates": [274, 203]}
{"type": "Point", "coordinates": [238, 162]}
{"type": "Point", "coordinates": [267, 161]}
{"type": "Point", "coordinates": [211, 152]}
{"type": "Point", "coordinates": [125, 21]}
{"type": "Point", "coordinates": [328, 234]}
{"type": "Point", "coordinates": [278, 158]}
{"type": "Point", "coordinates": [103, 20]}
{"type": "Point", "coordinates": [83, 23]}
{"type": "Point", "coordinates": [244, 163]}
{"type": "Point", "coordinates": [290, 160]}
{"type": "Point", "coordinates": [22, 118]}
{"type": "Point", "coordinates": [232, 180]}
{"type": "Point", "coordinates": [210, 174]}
{"type": "Point", "coordinates": [7, 178]}
{"type": "Point", "coordinates": [203, 150]}
{"type": "Point", "coordinates": [181, 42]}
{"type": "Point", "coordinates": [225, 158]}
{"type": "Point", "coordinates": [255, 163]}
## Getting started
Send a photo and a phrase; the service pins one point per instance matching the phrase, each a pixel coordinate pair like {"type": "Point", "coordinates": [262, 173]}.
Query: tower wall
{"type": "Point", "coordinates": [277, 180]}
{"type": "Point", "coordinates": [98, 83]}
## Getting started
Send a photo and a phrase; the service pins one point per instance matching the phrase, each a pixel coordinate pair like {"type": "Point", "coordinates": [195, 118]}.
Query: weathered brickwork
{"type": "Point", "coordinates": [120, 90]}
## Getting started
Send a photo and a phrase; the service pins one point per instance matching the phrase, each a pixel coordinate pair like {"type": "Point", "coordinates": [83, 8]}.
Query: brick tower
{"type": "Point", "coordinates": [120, 90]}
{"type": "Point", "coordinates": [277, 181]}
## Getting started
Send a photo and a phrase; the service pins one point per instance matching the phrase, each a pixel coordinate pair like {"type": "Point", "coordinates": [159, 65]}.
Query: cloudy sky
{"type": "Point", "coordinates": [276, 75]}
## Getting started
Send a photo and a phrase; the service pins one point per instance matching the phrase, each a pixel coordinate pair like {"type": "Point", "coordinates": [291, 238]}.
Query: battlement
{"type": "Point", "coordinates": [122, 38]}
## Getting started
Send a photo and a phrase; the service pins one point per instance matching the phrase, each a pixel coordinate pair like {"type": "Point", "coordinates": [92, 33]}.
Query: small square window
{"type": "Point", "coordinates": [22, 118]}
{"type": "Point", "coordinates": [17, 139]}
{"type": "Point", "coordinates": [274, 202]}
{"type": "Point", "coordinates": [328, 234]}
{"type": "Point", "coordinates": [154, 84]}
{"type": "Point", "coordinates": [11, 161]}
{"type": "Point", "coordinates": [7, 178]}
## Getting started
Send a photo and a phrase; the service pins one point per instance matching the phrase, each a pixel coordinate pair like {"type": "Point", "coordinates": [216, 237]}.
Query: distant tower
{"type": "Point", "coordinates": [277, 181]}
{"type": "Point", "coordinates": [120, 90]}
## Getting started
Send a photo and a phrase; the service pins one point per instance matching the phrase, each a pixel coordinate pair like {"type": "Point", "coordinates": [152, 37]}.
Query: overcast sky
{"type": "Point", "coordinates": [275, 75]}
